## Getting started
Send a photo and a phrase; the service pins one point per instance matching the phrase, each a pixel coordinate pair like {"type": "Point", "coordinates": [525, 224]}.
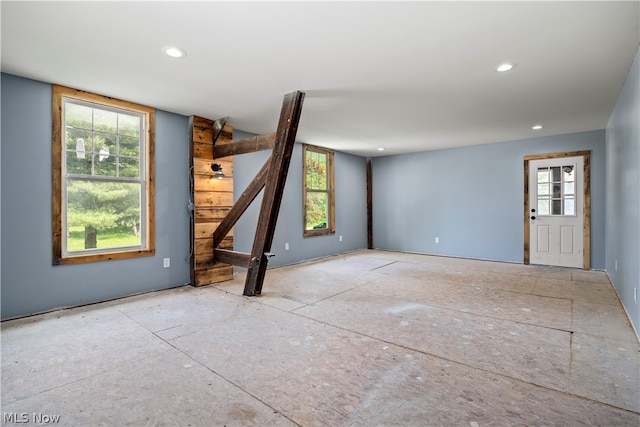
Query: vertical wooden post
{"type": "Point", "coordinates": [210, 199]}
{"type": "Point", "coordinates": [273, 190]}
{"type": "Point", "coordinates": [369, 205]}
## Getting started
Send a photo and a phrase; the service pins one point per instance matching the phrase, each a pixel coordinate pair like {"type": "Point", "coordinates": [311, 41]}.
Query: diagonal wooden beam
{"type": "Point", "coordinates": [273, 190]}
{"type": "Point", "coordinates": [241, 205]}
{"type": "Point", "coordinates": [249, 145]}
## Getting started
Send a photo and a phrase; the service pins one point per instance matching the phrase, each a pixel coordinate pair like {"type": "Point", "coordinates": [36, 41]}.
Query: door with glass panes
{"type": "Point", "coordinates": [556, 219]}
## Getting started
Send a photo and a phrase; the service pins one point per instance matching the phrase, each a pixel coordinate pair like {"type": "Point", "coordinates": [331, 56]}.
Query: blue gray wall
{"type": "Point", "coordinates": [30, 283]}
{"type": "Point", "coordinates": [623, 194]}
{"type": "Point", "coordinates": [351, 208]}
{"type": "Point", "coordinates": [472, 198]}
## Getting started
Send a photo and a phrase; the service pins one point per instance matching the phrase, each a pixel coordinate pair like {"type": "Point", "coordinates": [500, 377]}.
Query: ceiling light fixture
{"type": "Point", "coordinates": [505, 67]}
{"type": "Point", "coordinates": [536, 127]}
{"type": "Point", "coordinates": [380, 149]}
{"type": "Point", "coordinates": [174, 52]}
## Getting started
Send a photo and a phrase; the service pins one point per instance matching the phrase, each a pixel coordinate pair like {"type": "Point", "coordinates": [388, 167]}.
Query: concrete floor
{"type": "Point", "coordinates": [366, 338]}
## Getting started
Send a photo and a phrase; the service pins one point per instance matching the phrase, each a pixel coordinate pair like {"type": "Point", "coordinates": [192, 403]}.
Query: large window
{"type": "Point", "coordinates": [319, 199]}
{"type": "Point", "coordinates": [103, 174]}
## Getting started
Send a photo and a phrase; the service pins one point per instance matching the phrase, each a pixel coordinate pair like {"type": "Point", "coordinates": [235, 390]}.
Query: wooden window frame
{"type": "Point", "coordinates": [148, 245]}
{"type": "Point", "coordinates": [331, 229]}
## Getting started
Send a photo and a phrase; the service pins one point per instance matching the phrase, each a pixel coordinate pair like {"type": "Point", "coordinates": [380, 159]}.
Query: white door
{"type": "Point", "coordinates": [556, 211]}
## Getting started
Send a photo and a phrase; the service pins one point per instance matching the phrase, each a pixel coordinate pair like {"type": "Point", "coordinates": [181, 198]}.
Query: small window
{"type": "Point", "coordinates": [103, 196]}
{"type": "Point", "coordinates": [319, 199]}
{"type": "Point", "coordinates": [556, 190]}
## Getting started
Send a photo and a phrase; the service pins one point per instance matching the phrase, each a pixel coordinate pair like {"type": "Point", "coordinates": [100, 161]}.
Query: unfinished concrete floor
{"type": "Point", "coordinates": [366, 338]}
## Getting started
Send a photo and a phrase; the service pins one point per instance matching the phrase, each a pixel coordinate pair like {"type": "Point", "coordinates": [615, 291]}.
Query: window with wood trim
{"type": "Point", "coordinates": [102, 178]}
{"type": "Point", "coordinates": [319, 197]}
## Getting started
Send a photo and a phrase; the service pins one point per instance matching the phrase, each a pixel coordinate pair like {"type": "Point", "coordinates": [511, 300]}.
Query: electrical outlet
{"type": "Point", "coordinates": [616, 267]}
{"type": "Point", "coordinates": [286, 246]}
{"type": "Point", "coordinates": [437, 240]}
{"type": "Point", "coordinates": [167, 262]}
{"type": "Point", "coordinates": [635, 294]}
{"type": "Point", "coordinates": [341, 238]}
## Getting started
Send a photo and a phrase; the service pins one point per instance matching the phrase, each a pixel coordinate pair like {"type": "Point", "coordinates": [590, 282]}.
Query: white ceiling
{"type": "Point", "coordinates": [406, 76]}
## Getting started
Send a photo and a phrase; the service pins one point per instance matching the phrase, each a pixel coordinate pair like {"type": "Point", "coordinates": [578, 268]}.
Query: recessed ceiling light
{"type": "Point", "coordinates": [536, 127]}
{"type": "Point", "coordinates": [174, 52]}
{"type": "Point", "coordinates": [505, 67]}
{"type": "Point", "coordinates": [380, 149]}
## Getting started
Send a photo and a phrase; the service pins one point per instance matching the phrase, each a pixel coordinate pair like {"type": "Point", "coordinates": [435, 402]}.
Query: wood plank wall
{"type": "Point", "coordinates": [212, 199]}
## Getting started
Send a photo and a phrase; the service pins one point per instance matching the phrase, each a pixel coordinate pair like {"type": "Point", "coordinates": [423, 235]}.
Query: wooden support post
{"type": "Point", "coordinates": [369, 205]}
{"type": "Point", "coordinates": [274, 187]}
{"type": "Point", "coordinates": [209, 200]}
{"type": "Point", "coordinates": [271, 178]}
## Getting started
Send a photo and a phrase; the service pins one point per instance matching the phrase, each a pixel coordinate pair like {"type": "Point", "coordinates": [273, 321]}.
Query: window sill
{"type": "Point", "coordinates": [84, 258]}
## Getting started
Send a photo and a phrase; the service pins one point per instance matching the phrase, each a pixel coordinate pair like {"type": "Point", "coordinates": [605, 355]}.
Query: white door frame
{"type": "Point", "coordinates": [586, 176]}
